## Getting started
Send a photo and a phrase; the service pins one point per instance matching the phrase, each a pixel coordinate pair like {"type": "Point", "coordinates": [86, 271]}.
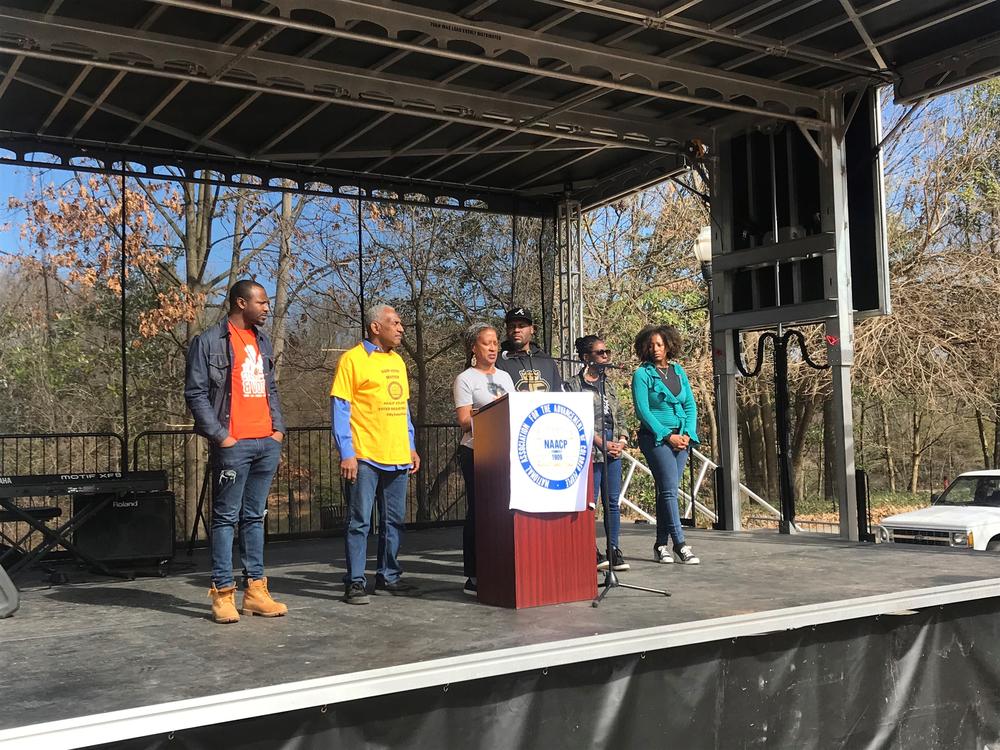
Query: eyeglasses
{"type": "Point", "coordinates": [599, 352]}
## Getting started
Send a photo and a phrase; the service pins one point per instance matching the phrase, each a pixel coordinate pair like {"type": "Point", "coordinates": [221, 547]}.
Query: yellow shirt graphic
{"type": "Point", "coordinates": [376, 386]}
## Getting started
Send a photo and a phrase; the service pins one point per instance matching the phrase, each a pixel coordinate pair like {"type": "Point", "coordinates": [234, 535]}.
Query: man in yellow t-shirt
{"type": "Point", "coordinates": [370, 414]}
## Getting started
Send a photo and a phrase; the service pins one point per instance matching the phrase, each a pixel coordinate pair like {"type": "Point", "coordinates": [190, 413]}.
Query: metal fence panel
{"type": "Point", "coordinates": [54, 453]}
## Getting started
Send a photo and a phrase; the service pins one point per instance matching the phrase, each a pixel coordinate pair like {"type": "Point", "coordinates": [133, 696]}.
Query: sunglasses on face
{"type": "Point", "coordinates": [599, 352]}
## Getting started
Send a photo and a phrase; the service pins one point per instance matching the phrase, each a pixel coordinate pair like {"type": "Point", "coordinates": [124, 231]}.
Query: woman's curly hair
{"type": "Point", "coordinates": [671, 340]}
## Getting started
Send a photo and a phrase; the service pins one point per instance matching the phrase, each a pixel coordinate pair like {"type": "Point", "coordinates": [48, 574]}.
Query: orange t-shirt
{"type": "Point", "coordinates": [249, 413]}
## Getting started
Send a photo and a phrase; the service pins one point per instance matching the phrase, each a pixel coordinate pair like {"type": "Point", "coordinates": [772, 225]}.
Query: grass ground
{"type": "Point", "coordinates": [882, 504]}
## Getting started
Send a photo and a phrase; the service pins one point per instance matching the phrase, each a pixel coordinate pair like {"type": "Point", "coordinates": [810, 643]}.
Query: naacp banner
{"type": "Point", "coordinates": [551, 438]}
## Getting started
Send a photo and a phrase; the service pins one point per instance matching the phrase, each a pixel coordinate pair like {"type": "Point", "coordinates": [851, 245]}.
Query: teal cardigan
{"type": "Point", "coordinates": [659, 411]}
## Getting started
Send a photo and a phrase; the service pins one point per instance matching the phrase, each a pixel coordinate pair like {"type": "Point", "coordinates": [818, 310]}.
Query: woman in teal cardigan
{"type": "Point", "coordinates": [668, 420]}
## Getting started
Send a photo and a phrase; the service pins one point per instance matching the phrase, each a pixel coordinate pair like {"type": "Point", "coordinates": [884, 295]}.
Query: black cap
{"type": "Point", "coordinates": [518, 313]}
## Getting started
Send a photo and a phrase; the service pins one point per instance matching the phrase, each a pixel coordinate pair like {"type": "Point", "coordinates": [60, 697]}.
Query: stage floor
{"type": "Point", "coordinates": [103, 645]}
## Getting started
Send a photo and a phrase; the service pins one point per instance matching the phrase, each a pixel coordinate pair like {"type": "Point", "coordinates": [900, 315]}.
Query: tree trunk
{"type": "Point", "coordinates": [805, 411]}
{"type": "Point", "coordinates": [861, 435]}
{"type": "Point", "coordinates": [239, 234]}
{"type": "Point", "coordinates": [199, 209]}
{"type": "Point", "coordinates": [423, 509]}
{"type": "Point", "coordinates": [829, 450]}
{"type": "Point", "coordinates": [753, 445]}
{"type": "Point", "coordinates": [890, 463]}
{"type": "Point", "coordinates": [713, 426]}
{"type": "Point", "coordinates": [915, 453]}
{"type": "Point", "coordinates": [981, 425]}
{"type": "Point", "coordinates": [279, 327]}
{"type": "Point", "coordinates": [996, 436]}
{"type": "Point", "coordinates": [769, 430]}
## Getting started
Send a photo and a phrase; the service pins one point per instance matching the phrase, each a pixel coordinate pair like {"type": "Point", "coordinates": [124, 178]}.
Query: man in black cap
{"type": "Point", "coordinates": [529, 367]}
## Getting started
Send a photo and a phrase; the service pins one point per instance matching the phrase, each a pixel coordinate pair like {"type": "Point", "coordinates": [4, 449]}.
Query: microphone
{"type": "Point", "coordinates": [605, 366]}
{"type": "Point", "coordinates": [503, 354]}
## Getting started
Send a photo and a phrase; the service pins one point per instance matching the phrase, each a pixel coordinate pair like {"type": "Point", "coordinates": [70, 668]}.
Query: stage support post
{"type": "Point", "coordinates": [839, 329]}
{"type": "Point", "coordinates": [723, 346]}
{"type": "Point", "coordinates": [569, 273]}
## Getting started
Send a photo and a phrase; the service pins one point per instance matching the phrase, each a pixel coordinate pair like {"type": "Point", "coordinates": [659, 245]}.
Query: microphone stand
{"type": "Point", "coordinates": [610, 579]}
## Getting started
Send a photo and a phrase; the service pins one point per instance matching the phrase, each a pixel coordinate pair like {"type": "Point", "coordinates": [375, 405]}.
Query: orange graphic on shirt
{"type": "Point", "coordinates": [250, 413]}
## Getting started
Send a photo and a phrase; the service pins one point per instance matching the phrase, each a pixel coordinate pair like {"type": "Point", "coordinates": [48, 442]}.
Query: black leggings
{"type": "Point", "coordinates": [469, 531]}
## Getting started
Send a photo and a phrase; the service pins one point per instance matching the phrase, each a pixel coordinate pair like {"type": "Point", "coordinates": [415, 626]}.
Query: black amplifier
{"type": "Point", "coordinates": [137, 526]}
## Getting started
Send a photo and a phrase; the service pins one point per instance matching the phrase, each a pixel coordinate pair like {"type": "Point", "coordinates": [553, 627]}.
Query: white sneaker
{"type": "Point", "coordinates": [685, 556]}
{"type": "Point", "coordinates": [661, 553]}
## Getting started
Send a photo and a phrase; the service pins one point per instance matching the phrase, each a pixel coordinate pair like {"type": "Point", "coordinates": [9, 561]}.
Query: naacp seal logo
{"type": "Point", "coordinates": [552, 446]}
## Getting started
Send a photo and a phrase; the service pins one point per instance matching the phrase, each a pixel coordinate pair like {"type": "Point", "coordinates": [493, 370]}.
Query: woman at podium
{"type": "Point", "coordinates": [475, 387]}
{"type": "Point", "coordinates": [668, 416]}
{"type": "Point", "coordinates": [609, 429]}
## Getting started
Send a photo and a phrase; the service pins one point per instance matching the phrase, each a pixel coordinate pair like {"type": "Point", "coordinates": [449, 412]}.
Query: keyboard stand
{"type": "Point", "coordinates": [57, 537]}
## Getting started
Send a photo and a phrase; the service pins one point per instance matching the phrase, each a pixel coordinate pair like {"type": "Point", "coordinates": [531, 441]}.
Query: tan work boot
{"type": "Point", "coordinates": [257, 600]}
{"type": "Point", "coordinates": [224, 604]}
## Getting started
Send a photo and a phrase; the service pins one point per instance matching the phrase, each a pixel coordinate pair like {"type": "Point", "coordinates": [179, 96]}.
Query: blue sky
{"type": "Point", "coordinates": [14, 181]}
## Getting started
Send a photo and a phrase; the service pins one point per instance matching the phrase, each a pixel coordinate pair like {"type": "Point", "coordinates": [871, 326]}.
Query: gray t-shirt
{"type": "Point", "coordinates": [477, 389]}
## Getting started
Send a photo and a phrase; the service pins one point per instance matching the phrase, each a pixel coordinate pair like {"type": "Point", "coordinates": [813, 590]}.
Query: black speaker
{"type": "Point", "coordinates": [133, 527]}
{"type": "Point", "coordinates": [10, 600]}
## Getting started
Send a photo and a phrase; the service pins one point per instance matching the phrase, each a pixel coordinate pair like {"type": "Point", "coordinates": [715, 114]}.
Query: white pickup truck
{"type": "Point", "coordinates": [966, 515]}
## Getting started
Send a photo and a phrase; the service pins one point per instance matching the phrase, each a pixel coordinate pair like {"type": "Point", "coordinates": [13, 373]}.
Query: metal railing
{"type": "Point", "coordinates": [60, 452]}
{"type": "Point", "coordinates": [700, 467]}
{"type": "Point", "coordinates": [54, 453]}
{"type": "Point", "coordinates": [687, 492]}
{"type": "Point", "coordinates": [306, 497]}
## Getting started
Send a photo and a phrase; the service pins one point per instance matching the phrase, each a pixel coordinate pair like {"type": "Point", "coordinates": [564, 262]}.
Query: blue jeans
{"type": "Point", "coordinates": [242, 477]}
{"type": "Point", "coordinates": [612, 511]}
{"type": "Point", "coordinates": [388, 488]}
{"type": "Point", "coordinates": [667, 466]}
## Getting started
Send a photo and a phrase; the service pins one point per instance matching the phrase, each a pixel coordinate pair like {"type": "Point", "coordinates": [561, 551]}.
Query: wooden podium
{"type": "Point", "coordinates": [525, 559]}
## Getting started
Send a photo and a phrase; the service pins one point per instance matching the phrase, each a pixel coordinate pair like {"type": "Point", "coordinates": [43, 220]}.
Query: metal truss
{"type": "Point", "coordinates": [788, 8]}
{"type": "Point", "coordinates": [949, 70]}
{"type": "Point", "coordinates": [13, 74]}
{"type": "Point", "coordinates": [94, 45]}
{"type": "Point", "coordinates": [159, 164]}
{"type": "Point", "coordinates": [569, 276]}
{"type": "Point", "coordinates": [781, 101]}
{"type": "Point", "coordinates": [719, 31]}
{"type": "Point", "coordinates": [521, 151]}
{"type": "Point", "coordinates": [719, 98]}
{"type": "Point", "coordinates": [637, 175]}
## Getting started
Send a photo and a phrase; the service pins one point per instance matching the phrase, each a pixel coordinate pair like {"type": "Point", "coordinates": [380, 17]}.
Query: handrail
{"type": "Point", "coordinates": [705, 464]}
{"type": "Point", "coordinates": [34, 435]}
{"type": "Point", "coordinates": [634, 463]}
{"type": "Point", "coordinates": [32, 446]}
{"type": "Point", "coordinates": [637, 464]}
{"type": "Point", "coordinates": [743, 488]}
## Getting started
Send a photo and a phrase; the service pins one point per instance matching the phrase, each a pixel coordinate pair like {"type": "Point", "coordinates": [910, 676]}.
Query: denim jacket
{"type": "Point", "coordinates": [208, 381]}
{"type": "Point", "coordinates": [616, 423]}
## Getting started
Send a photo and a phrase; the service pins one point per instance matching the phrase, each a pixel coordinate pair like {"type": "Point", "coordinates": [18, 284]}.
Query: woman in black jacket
{"type": "Point", "coordinates": [609, 430]}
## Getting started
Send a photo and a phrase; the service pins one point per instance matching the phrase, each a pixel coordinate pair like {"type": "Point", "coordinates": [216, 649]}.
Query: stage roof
{"type": "Point", "coordinates": [505, 104]}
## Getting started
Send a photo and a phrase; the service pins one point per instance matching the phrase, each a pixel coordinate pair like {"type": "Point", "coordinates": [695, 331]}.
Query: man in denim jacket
{"type": "Point", "coordinates": [229, 388]}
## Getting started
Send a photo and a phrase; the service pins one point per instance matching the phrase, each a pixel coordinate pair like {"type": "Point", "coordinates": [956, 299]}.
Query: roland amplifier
{"type": "Point", "coordinates": [133, 527]}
